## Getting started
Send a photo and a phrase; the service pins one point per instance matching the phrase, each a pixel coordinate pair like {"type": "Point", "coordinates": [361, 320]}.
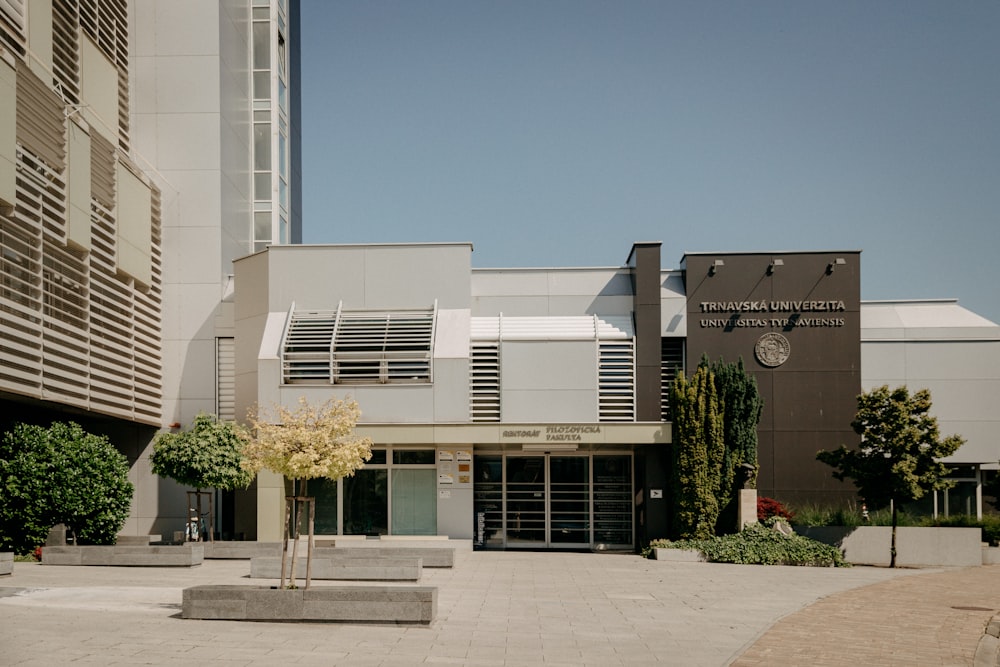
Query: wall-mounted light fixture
{"type": "Point", "coordinates": [840, 261]}
{"type": "Point", "coordinates": [714, 267]}
{"type": "Point", "coordinates": [774, 263]}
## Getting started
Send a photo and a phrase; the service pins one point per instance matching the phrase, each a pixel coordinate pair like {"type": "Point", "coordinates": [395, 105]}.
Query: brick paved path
{"type": "Point", "coordinates": [926, 619]}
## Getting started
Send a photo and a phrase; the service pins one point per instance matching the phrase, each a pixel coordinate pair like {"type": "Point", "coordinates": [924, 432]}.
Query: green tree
{"type": "Point", "coordinates": [898, 460]}
{"type": "Point", "coordinates": [698, 452]}
{"type": "Point", "coordinates": [60, 474]}
{"type": "Point", "coordinates": [209, 455]}
{"type": "Point", "coordinates": [741, 405]}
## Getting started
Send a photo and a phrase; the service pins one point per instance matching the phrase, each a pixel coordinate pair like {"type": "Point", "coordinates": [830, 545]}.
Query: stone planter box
{"type": "Point", "coordinates": [680, 555]}
{"type": "Point", "coordinates": [6, 562]}
{"type": "Point", "coordinates": [341, 567]}
{"type": "Point", "coordinates": [387, 604]}
{"type": "Point", "coordinates": [125, 555]}
{"type": "Point", "coordinates": [915, 546]}
{"type": "Point", "coordinates": [991, 555]}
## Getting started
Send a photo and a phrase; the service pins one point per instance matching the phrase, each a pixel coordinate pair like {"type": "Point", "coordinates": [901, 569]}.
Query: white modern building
{"type": "Point", "coordinates": [526, 408]}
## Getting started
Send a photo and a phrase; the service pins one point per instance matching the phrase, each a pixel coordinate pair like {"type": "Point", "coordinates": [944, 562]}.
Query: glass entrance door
{"type": "Point", "coordinates": [551, 501]}
{"type": "Point", "coordinates": [526, 505]}
{"type": "Point", "coordinates": [547, 501]}
{"type": "Point", "coordinates": [569, 501]}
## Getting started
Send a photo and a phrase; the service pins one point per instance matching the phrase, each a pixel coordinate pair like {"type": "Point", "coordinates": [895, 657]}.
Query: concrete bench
{"type": "Point", "coordinates": [431, 556]}
{"type": "Point", "coordinates": [239, 550]}
{"type": "Point", "coordinates": [6, 562]}
{"type": "Point", "coordinates": [387, 604]}
{"type": "Point", "coordinates": [125, 555]}
{"type": "Point", "coordinates": [341, 567]}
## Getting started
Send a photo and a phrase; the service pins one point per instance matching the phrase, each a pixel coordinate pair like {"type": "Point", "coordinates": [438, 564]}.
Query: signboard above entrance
{"type": "Point", "coordinates": [553, 433]}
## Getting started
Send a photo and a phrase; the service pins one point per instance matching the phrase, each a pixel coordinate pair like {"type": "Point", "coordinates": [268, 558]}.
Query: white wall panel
{"type": "Point", "coordinates": [186, 27]}
{"type": "Point", "coordinates": [187, 84]}
{"type": "Point", "coordinates": [532, 406]}
{"type": "Point", "coordinates": [188, 141]}
{"type": "Point", "coordinates": [451, 390]}
{"type": "Point", "coordinates": [882, 363]}
{"type": "Point", "coordinates": [549, 381]}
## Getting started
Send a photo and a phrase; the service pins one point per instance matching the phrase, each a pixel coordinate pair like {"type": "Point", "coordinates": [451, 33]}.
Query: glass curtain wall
{"type": "Point", "coordinates": [269, 36]}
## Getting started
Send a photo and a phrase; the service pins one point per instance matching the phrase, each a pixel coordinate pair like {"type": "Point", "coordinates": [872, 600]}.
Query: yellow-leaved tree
{"type": "Point", "coordinates": [302, 444]}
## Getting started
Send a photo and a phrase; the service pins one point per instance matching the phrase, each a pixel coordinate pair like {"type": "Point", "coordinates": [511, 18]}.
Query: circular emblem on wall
{"type": "Point", "coordinates": [772, 349]}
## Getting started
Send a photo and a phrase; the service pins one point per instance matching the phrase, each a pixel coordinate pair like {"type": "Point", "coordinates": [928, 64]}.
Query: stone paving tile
{"type": "Point", "coordinates": [494, 609]}
{"type": "Point", "coordinates": [913, 620]}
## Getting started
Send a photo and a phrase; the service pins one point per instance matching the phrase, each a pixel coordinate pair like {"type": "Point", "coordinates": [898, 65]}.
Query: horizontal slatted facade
{"type": "Point", "coordinates": [73, 329]}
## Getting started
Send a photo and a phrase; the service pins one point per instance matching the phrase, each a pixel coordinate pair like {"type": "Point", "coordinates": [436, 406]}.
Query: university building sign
{"type": "Point", "coordinates": [771, 314]}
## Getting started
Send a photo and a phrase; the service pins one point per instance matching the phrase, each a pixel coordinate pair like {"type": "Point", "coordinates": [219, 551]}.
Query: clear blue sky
{"type": "Point", "coordinates": [557, 132]}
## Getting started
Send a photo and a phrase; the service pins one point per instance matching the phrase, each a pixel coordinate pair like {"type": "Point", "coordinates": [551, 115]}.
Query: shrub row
{"type": "Point", "coordinates": [851, 516]}
{"type": "Point", "coordinates": [759, 545]}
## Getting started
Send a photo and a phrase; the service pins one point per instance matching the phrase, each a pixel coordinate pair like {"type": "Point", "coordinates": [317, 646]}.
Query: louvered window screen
{"type": "Point", "coordinates": [484, 369]}
{"type": "Point", "coordinates": [616, 381]}
{"type": "Point", "coordinates": [358, 347]}
{"type": "Point", "coordinates": [225, 382]}
{"type": "Point", "coordinates": [671, 364]}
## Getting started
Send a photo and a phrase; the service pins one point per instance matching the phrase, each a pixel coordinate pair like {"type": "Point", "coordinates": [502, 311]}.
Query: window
{"type": "Point", "coordinates": [359, 347]}
{"type": "Point", "coordinates": [671, 364]}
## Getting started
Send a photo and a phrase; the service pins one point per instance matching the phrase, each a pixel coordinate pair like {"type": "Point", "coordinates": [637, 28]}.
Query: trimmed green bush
{"type": "Point", "coordinates": [207, 456]}
{"type": "Point", "coordinates": [60, 474]}
{"type": "Point", "coordinates": [760, 545]}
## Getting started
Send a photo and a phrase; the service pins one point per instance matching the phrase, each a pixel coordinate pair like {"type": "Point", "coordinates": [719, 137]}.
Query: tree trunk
{"type": "Point", "coordinates": [293, 524]}
{"type": "Point", "coordinates": [892, 549]}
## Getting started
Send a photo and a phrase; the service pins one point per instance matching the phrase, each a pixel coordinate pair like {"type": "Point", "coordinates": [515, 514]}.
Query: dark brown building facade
{"type": "Point", "coordinates": [794, 320]}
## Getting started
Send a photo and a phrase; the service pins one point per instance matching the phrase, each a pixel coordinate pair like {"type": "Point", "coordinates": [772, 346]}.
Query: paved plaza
{"type": "Point", "coordinates": [515, 608]}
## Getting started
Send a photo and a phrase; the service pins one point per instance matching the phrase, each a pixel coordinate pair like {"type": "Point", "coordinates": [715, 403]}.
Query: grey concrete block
{"type": "Point", "coordinates": [272, 603]}
{"type": "Point", "coordinates": [915, 546]}
{"type": "Point", "coordinates": [94, 555]}
{"type": "Point", "coordinates": [240, 550]}
{"type": "Point", "coordinates": [343, 568]}
{"type": "Point", "coordinates": [351, 603]}
{"type": "Point", "coordinates": [124, 556]}
{"type": "Point", "coordinates": [54, 555]}
{"type": "Point", "coordinates": [6, 562]}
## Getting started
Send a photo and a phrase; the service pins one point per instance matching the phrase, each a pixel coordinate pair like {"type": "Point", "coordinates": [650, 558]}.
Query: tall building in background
{"type": "Point", "coordinates": [214, 112]}
{"type": "Point", "coordinates": [144, 145]}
